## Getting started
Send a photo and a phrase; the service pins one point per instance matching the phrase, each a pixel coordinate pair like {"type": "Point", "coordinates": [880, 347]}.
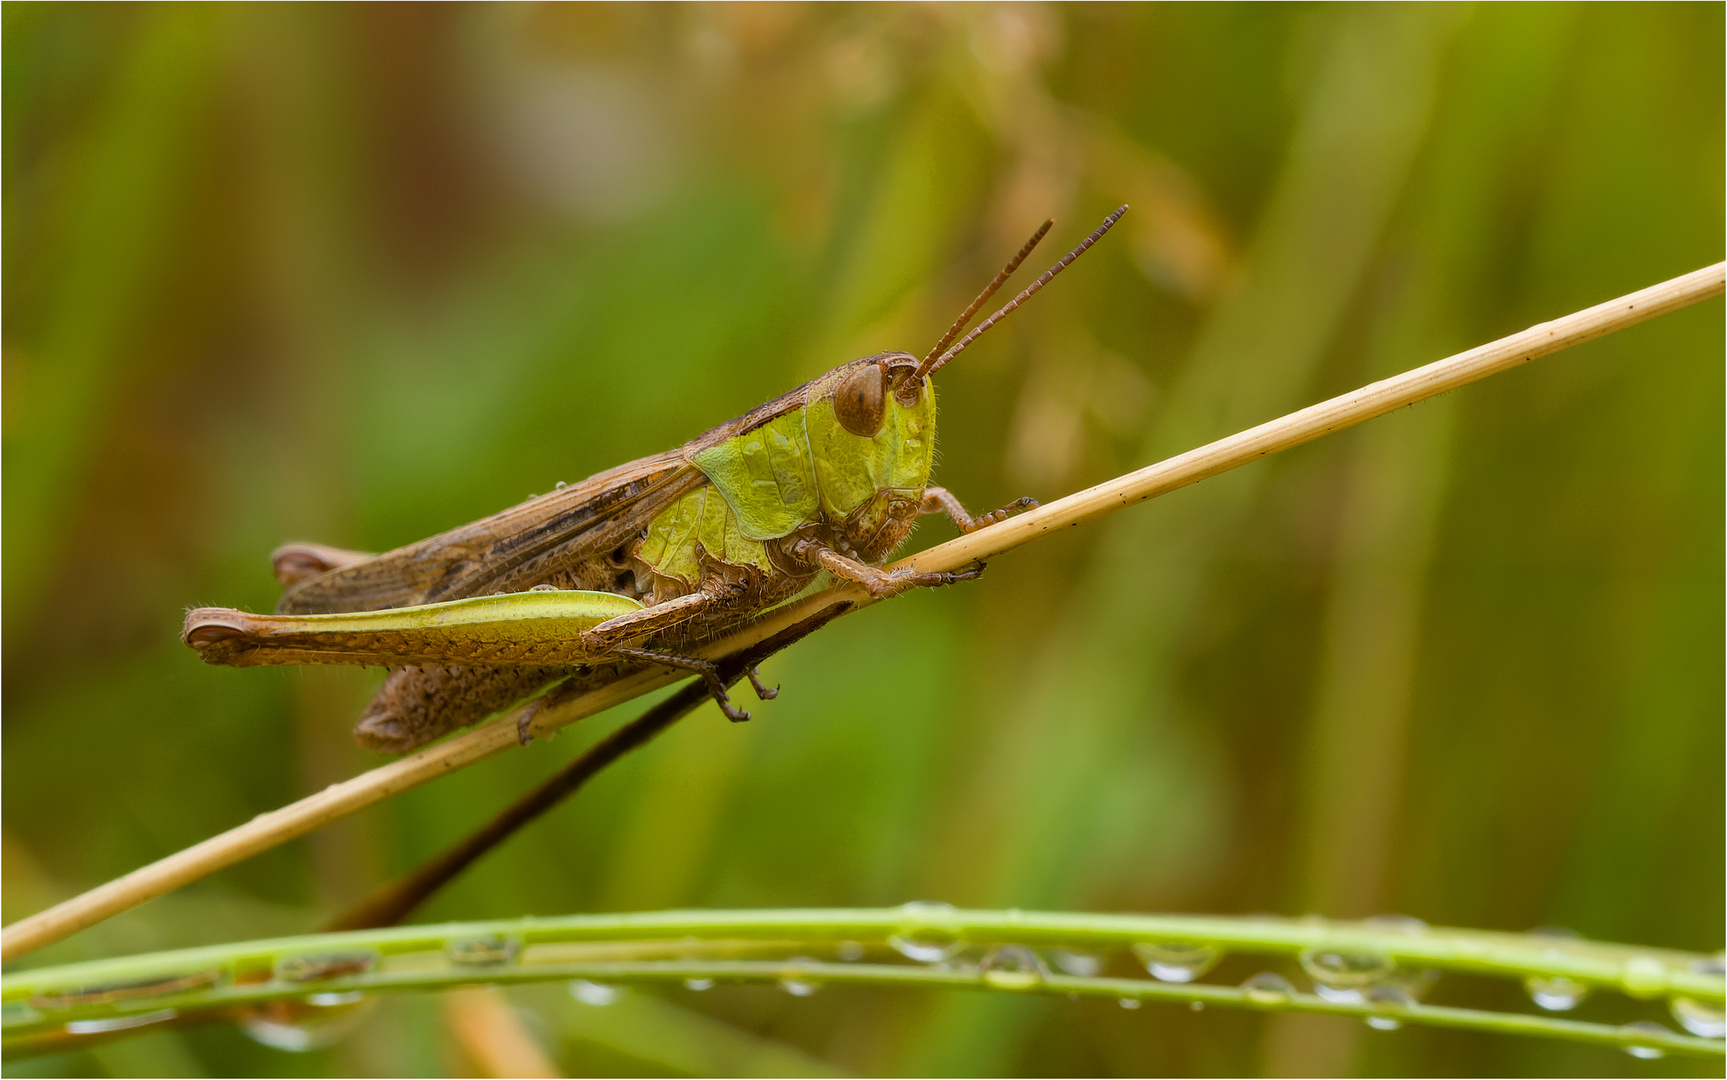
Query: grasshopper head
{"type": "Point", "coordinates": [872, 436]}
{"type": "Point", "coordinates": [871, 422]}
{"type": "Point", "coordinates": [872, 433]}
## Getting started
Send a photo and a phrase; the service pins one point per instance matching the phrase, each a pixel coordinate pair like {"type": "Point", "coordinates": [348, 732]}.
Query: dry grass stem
{"type": "Point", "coordinates": [1376, 399]}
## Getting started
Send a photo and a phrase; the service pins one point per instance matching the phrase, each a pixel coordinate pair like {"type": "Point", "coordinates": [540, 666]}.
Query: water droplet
{"type": "Point", "coordinates": [1645, 1050]}
{"type": "Point", "coordinates": [302, 1026]}
{"type": "Point", "coordinates": [1384, 1023]}
{"type": "Point", "coordinates": [1644, 977]}
{"type": "Point", "coordinates": [1704, 1019]}
{"type": "Point", "coordinates": [1562, 933]}
{"type": "Point", "coordinates": [1176, 961]}
{"type": "Point", "coordinates": [1340, 970]}
{"type": "Point", "coordinates": [1400, 924]}
{"type": "Point", "coordinates": [1268, 987]}
{"type": "Point", "coordinates": [320, 966]}
{"type": "Point", "coordinates": [1196, 1006]}
{"type": "Point", "coordinates": [327, 1001]}
{"type": "Point", "coordinates": [559, 486]}
{"type": "Point", "coordinates": [118, 1023]}
{"type": "Point", "coordinates": [1710, 965]}
{"type": "Point", "coordinates": [493, 951]}
{"type": "Point", "coordinates": [1129, 1003]}
{"type": "Point", "coordinates": [1075, 962]}
{"type": "Point", "coordinates": [1012, 967]}
{"type": "Point", "coordinates": [698, 984]}
{"type": "Point", "coordinates": [795, 982]}
{"type": "Point", "coordinates": [593, 993]}
{"type": "Point", "coordinates": [850, 951]}
{"type": "Point", "coordinates": [1556, 993]}
{"type": "Point", "coordinates": [917, 940]}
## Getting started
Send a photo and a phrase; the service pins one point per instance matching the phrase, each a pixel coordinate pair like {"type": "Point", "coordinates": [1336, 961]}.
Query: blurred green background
{"type": "Point", "coordinates": [358, 274]}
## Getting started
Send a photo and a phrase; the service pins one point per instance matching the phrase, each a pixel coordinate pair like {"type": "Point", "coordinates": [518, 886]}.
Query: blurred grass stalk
{"type": "Point", "coordinates": [1359, 969]}
{"type": "Point", "coordinates": [1375, 399]}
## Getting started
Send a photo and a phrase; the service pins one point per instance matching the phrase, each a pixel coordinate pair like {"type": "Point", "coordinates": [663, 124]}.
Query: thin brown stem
{"type": "Point", "coordinates": [277, 827]}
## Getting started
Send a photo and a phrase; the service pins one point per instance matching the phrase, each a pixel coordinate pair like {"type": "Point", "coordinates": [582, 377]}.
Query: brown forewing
{"type": "Point", "coordinates": [527, 544]}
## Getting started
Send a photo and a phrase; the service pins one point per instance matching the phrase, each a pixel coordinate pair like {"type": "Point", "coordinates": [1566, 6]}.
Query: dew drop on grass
{"type": "Point", "coordinates": [328, 1001]}
{"type": "Point", "coordinates": [1077, 962]}
{"type": "Point", "coordinates": [593, 993]}
{"type": "Point", "coordinates": [1012, 967]}
{"type": "Point", "coordinates": [1399, 924]}
{"type": "Point", "coordinates": [794, 981]}
{"type": "Point", "coordinates": [1352, 970]}
{"type": "Point", "coordinates": [300, 1027]}
{"type": "Point", "coordinates": [1556, 993]}
{"type": "Point", "coordinates": [1642, 1050]}
{"type": "Point", "coordinates": [1268, 987]}
{"type": "Point", "coordinates": [1387, 997]}
{"type": "Point", "coordinates": [119, 1023]}
{"type": "Point", "coordinates": [698, 984]}
{"type": "Point", "coordinates": [917, 940]}
{"type": "Point", "coordinates": [1704, 1019]}
{"type": "Point", "coordinates": [1129, 1003]}
{"type": "Point", "coordinates": [1176, 961]}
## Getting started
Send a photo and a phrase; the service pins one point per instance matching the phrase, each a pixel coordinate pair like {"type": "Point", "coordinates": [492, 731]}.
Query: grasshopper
{"type": "Point", "coordinates": [632, 565]}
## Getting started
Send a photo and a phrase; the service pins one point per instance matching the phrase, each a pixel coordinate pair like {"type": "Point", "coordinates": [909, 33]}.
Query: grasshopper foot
{"type": "Point", "coordinates": [765, 693]}
{"type": "Point", "coordinates": [525, 722]}
{"type": "Point", "coordinates": [1019, 505]}
{"type": "Point", "coordinates": [709, 672]}
{"type": "Point", "coordinates": [898, 581]}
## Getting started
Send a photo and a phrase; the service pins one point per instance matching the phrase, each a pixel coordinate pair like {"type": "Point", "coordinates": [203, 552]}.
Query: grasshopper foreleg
{"type": "Point", "coordinates": [939, 500]}
{"type": "Point", "coordinates": [880, 583]}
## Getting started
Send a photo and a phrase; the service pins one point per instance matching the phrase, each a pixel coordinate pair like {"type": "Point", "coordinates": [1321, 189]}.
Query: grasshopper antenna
{"type": "Point", "coordinates": [930, 366]}
{"type": "Point", "coordinates": [989, 290]}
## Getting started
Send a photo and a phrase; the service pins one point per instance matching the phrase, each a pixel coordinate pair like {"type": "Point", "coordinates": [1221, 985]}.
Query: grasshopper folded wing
{"type": "Point", "coordinates": [510, 551]}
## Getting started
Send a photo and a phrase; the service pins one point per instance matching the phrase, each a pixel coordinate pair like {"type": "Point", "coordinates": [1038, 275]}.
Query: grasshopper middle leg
{"type": "Point", "coordinates": [610, 637]}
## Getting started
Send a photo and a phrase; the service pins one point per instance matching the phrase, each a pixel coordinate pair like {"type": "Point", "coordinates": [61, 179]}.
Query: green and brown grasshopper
{"type": "Point", "coordinates": [630, 566]}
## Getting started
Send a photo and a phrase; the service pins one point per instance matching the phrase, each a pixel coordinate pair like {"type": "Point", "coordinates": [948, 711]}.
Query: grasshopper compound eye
{"type": "Point", "coordinates": [861, 400]}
